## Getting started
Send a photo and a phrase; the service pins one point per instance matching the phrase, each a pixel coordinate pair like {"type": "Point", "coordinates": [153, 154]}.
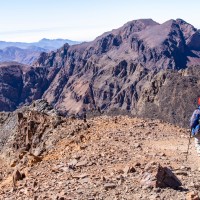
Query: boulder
{"type": "Point", "coordinates": [157, 176]}
{"type": "Point", "coordinates": [17, 176]}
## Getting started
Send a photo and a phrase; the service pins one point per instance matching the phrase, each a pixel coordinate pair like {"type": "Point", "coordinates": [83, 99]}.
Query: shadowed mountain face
{"type": "Point", "coordinates": [21, 84]}
{"type": "Point", "coordinates": [143, 67]}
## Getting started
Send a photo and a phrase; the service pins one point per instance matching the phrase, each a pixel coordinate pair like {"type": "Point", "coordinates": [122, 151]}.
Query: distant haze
{"type": "Point", "coordinates": [27, 53]}
{"type": "Point", "coordinates": [45, 44]}
{"type": "Point", "coordinates": [29, 21]}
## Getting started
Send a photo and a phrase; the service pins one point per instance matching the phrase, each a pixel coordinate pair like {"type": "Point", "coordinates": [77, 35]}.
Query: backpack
{"type": "Point", "coordinates": [195, 121]}
{"type": "Point", "coordinates": [196, 131]}
{"type": "Point", "coordinates": [195, 125]}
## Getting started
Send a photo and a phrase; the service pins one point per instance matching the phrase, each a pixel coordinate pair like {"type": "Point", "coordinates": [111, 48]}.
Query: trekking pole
{"type": "Point", "coordinates": [188, 145]}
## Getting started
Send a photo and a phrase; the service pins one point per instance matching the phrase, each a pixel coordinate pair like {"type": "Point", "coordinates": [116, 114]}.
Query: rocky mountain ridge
{"type": "Point", "coordinates": [145, 68]}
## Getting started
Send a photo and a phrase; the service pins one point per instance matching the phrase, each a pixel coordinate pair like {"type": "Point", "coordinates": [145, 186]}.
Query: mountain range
{"type": "Point", "coordinates": [26, 53]}
{"type": "Point", "coordinates": [143, 68]}
{"type": "Point", "coordinates": [49, 44]}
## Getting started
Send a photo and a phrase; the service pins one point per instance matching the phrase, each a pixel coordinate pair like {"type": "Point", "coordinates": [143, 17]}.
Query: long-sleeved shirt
{"type": "Point", "coordinates": [194, 116]}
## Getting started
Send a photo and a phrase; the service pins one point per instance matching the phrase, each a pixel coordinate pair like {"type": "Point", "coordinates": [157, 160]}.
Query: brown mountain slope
{"type": "Point", "coordinates": [128, 69]}
{"type": "Point", "coordinates": [110, 72]}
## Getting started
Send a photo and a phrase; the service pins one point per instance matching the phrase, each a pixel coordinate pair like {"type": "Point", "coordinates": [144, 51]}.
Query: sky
{"type": "Point", "coordinates": [84, 20]}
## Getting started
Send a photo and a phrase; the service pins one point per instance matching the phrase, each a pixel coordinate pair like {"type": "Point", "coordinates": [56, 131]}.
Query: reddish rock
{"type": "Point", "coordinates": [157, 176]}
{"type": "Point", "coordinates": [192, 196]}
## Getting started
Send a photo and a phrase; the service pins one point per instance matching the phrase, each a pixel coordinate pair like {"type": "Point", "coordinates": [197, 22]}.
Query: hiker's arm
{"type": "Point", "coordinates": [192, 119]}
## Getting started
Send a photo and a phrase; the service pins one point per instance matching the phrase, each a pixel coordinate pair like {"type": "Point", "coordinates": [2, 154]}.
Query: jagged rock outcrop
{"type": "Point", "coordinates": [133, 68]}
{"type": "Point", "coordinates": [24, 128]}
{"type": "Point", "coordinates": [171, 96]}
{"type": "Point", "coordinates": [33, 130]}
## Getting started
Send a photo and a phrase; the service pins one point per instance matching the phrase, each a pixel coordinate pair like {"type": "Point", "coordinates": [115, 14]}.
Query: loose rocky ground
{"type": "Point", "coordinates": [104, 158]}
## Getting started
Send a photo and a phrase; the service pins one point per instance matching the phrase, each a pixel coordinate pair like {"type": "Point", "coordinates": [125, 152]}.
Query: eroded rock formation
{"type": "Point", "coordinates": [145, 68]}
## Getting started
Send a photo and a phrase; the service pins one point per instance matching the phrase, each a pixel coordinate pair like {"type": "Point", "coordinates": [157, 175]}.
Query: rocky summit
{"type": "Point", "coordinates": [143, 68]}
{"type": "Point", "coordinates": [46, 156]}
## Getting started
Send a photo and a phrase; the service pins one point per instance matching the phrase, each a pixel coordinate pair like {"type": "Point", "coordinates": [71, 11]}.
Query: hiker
{"type": "Point", "coordinates": [195, 126]}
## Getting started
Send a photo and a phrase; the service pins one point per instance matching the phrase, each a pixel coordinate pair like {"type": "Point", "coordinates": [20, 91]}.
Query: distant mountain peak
{"type": "Point", "coordinates": [44, 39]}
{"type": "Point", "coordinates": [147, 21]}
{"type": "Point", "coordinates": [57, 39]}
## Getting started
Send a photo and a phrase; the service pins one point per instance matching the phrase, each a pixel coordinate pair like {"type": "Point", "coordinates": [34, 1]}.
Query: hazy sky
{"type": "Point", "coordinates": [31, 20]}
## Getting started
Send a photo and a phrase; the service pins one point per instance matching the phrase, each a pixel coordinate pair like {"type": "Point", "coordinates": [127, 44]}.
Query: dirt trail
{"type": "Point", "coordinates": [81, 166]}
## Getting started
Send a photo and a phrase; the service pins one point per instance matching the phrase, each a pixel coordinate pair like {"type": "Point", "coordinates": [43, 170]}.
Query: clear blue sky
{"type": "Point", "coordinates": [31, 20]}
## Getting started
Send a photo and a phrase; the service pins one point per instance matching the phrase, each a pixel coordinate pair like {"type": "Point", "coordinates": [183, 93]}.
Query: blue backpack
{"type": "Point", "coordinates": [195, 121]}
{"type": "Point", "coordinates": [196, 125]}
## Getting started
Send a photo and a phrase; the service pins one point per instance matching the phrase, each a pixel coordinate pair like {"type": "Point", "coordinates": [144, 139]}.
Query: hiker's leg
{"type": "Point", "coordinates": [196, 142]}
{"type": "Point", "coordinates": [197, 145]}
